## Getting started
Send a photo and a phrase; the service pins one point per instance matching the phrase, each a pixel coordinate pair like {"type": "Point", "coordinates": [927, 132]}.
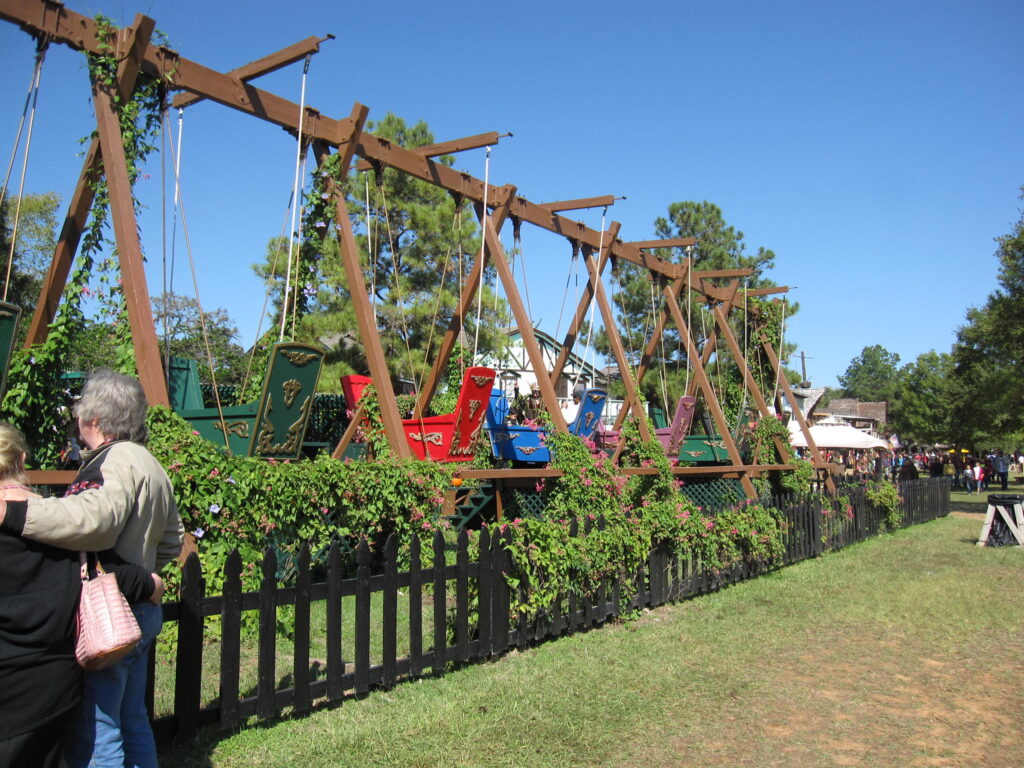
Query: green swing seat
{"type": "Point", "coordinates": [9, 315]}
{"type": "Point", "coordinates": [272, 427]}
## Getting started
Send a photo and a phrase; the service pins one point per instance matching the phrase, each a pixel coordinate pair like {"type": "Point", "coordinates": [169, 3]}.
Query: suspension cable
{"type": "Point", "coordinates": [565, 291]}
{"type": "Point", "coordinates": [483, 253]}
{"type": "Point", "coordinates": [199, 305]}
{"type": "Point", "coordinates": [34, 93]}
{"type": "Point", "coordinates": [782, 341]}
{"type": "Point", "coordinates": [593, 306]}
{"type": "Point", "coordinates": [299, 147]}
{"type": "Point", "coordinates": [168, 275]}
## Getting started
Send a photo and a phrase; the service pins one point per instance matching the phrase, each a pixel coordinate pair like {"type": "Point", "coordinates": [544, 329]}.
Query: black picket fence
{"type": "Point", "coordinates": [452, 614]}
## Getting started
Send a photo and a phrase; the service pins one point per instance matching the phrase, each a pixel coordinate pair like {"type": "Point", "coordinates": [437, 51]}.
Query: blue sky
{"type": "Point", "coordinates": [876, 147]}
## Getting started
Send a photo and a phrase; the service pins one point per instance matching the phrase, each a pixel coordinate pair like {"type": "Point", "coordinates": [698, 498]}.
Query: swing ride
{"type": "Point", "coordinates": [275, 423]}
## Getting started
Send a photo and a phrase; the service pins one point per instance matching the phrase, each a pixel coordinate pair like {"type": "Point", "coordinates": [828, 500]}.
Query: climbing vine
{"type": "Point", "coordinates": [765, 319]}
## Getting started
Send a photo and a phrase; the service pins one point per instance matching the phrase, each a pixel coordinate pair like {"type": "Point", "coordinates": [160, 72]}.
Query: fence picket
{"type": "Point", "coordinates": [189, 670]}
{"type": "Point", "coordinates": [362, 625]}
{"type": "Point", "coordinates": [573, 623]}
{"type": "Point", "coordinates": [335, 657]}
{"type": "Point", "coordinates": [300, 657]}
{"type": "Point", "coordinates": [588, 596]}
{"type": "Point", "coordinates": [484, 597]}
{"type": "Point", "coordinates": [462, 597]}
{"type": "Point", "coordinates": [266, 665]}
{"type": "Point", "coordinates": [230, 639]}
{"type": "Point", "coordinates": [440, 607]}
{"type": "Point", "coordinates": [415, 610]}
{"type": "Point", "coordinates": [501, 591]}
{"type": "Point", "coordinates": [389, 640]}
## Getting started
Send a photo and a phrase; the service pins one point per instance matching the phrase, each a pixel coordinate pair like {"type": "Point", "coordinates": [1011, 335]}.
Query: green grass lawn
{"type": "Point", "coordinates": [902, 650]}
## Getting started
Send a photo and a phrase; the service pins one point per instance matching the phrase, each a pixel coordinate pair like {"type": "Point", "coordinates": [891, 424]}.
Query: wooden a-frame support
{"type": "Point", "coordinates": [105, 157]}
{"type": "Point", "coordinates": [727, 297]}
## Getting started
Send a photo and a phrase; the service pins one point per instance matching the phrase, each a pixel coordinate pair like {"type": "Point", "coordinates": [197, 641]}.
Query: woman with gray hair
{"type": "Point", "coordinates": [121, 499]}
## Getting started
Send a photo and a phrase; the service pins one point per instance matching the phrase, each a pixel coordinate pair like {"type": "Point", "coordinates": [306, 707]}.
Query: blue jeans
{"type": "Point", "coordinates": [112, 729]}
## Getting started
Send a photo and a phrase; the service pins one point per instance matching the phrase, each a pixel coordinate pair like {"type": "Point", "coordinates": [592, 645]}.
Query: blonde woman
{"type": "Point", "coordinates": [41, 683]}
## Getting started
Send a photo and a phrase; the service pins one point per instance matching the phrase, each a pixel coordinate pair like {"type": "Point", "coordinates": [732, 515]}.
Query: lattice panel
{"type": "Point", "coordinates": [523, 503]}
{"type": "Point", "coordinates": [713, 492]}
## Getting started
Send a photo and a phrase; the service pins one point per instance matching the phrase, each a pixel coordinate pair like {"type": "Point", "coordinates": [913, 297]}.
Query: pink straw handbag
{"type": "Point", "coordinates": [107, 629]}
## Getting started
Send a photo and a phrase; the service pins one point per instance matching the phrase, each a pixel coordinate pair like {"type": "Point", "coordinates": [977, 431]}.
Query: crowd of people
{"type": "Point", "coordinates": [970, 472]}
{"type": "Point", "coordinates": [121, 506]}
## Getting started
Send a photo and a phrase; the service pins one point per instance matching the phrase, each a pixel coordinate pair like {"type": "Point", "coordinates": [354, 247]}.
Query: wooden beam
{"type": "Point", "coordinates": [260, 67]}
{"type": "Point", "coordinates": [672, 242]}
{"type": "Point", "coordinates": [67, 246]}
{"type": "Point", "coordinates": [619, 352]}
{"type": "Point", "coordinates": [572, 332]}
{"type": "Point", "coordinates": [673, 292]}
{"type": "Point", "coordinates": [722, 321]}
{"type": "Point", "coordinates": [580, 204]}
{"type": "Point", "coordinates": [450, 147]}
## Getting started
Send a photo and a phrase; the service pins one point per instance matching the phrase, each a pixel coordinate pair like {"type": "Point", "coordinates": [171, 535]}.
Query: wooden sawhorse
{"type": "Point", "coordinates": [1011, 510]}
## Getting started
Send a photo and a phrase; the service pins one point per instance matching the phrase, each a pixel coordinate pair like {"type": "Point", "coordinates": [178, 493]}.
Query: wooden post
{"type": "Point", "coordinates": [523, 321]}
{"type": "Point", "coordinates": [710, 398]}
{"type": "Point", "coordinates": [457, 323]}
{"type": "Point", "coordinates": [365, 316]}
{"type": "Point", "coordinates": [618, 350]}
{"type": "Point", "coordinates": [722, 321]}
{"type": "Point", "coordinates": [126, 229]}
{"type": "Point", "coordinates": [819, 463]}
{"type": "Point", "coordinates": [672, 293]}
{"type": "Point", "coordinates": [67, 246]}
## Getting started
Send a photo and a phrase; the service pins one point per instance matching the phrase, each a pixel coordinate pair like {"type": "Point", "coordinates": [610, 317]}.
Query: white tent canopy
{"type": "Point", "coordinates": [832, 433]}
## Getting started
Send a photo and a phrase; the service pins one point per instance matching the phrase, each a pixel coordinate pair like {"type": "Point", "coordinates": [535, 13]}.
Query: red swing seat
{"type": "Point", "coordinates": [451, 436]}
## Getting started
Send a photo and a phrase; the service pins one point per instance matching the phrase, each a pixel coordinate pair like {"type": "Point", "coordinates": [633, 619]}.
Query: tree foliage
{"type": "Point", "coordinates": [183, 332]}
{"type": "Point", "coordinates": [989, 352]}
{"type": "Point", "coordinates": [920, 411]}
{"type": "Point", "coordinates": [873, 375]}
{"type": "Point", "coordinates": [36, 239]}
